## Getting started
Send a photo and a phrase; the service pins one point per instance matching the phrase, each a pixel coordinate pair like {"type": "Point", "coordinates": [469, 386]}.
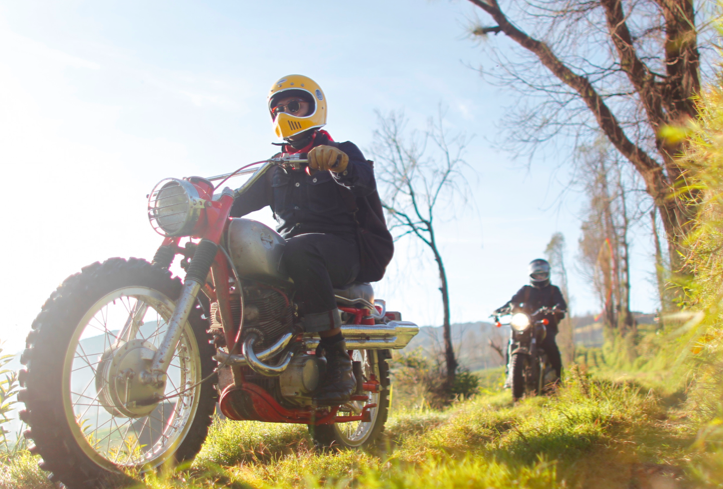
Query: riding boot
{"type": "Point", "coordinates": [340, 382]}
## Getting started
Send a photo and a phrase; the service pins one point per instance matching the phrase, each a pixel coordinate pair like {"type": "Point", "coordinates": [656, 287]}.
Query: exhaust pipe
{"type": "Point", "coordinates": [394, 335]}
{"type": "Point", "coordinates": [241, 361]}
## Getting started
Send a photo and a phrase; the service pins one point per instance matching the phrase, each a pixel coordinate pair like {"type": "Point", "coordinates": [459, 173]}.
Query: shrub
{"type": "Point", "coordinates": [466, 384]}
{"type": "Point", "coordinates": [420, 380]}
{"type": "Point", "coordinates": [8, 392]}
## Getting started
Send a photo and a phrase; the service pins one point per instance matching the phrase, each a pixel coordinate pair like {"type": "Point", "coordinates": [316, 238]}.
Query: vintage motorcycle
{"type": "Point", "coordinates": [529, 372]}
{"type": "Point", "coordinates": [125, 364]}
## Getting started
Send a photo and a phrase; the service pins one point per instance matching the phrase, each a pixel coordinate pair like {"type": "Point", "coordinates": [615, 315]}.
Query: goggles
{"type": "Point", "coordinates": [539, 275]}
{"type": "Point", "coordinates": [290, 108]}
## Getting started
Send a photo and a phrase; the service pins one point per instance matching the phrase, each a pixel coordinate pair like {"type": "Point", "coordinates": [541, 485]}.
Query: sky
{"type": "Point", "coordinates": [99, 100]}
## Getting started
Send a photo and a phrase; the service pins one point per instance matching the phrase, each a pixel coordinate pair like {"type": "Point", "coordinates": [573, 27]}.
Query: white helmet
{"type": "Point", "coordinates": [539, 271]}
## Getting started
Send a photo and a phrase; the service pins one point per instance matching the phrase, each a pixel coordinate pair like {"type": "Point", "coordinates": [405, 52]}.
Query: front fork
{"type": "Point", "coordinates": [197, 272]}
{"type": "Point", "coordinates": [163, 356]}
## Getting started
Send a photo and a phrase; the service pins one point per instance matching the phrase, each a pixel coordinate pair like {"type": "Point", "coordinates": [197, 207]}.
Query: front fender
{"type": "Point", "coordinates": [518, 348]}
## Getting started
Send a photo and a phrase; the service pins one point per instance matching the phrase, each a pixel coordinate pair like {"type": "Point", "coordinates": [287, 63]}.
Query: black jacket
{"type": "Point", "coordinates": [534, 298]}
{"type": "Point", "coordinates": [311, 204]}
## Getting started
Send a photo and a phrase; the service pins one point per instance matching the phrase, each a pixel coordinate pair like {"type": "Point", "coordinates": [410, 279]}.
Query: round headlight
{"type": "Point", "coordinates": [174, 207]}
{"type": "Point", "coordinates": [520, 322]}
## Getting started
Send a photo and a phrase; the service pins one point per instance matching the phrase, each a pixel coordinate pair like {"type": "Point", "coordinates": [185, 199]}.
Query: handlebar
{"type": "Point", "coordinates": [294, 161]}
{"type": "Point", "coordinates": [229, 175]}
{"type": "Point", "coordinates": [549, 310]}
{"type": "Point", "coordinates": [543, 311]}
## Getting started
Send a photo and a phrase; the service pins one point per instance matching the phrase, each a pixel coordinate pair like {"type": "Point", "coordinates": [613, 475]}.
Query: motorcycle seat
{"type": "Point", "coordinates": [356, 294]}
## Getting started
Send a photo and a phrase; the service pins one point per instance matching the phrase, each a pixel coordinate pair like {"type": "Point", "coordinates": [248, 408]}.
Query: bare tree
{"type": "Point", "coordinates": [626, 69]}
{"type": "Point", "coordinates": [421, 174]}
{"type": "Point", "coordinates": [605, 242]}
{"type": "Point", "coordinates": [555, 253]}
{"type": "Point", "coordinates": [498, 348]}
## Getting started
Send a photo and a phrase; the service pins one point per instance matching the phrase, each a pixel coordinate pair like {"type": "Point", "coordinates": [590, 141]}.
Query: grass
{"type": "Point", "coordinates": [597, 432]}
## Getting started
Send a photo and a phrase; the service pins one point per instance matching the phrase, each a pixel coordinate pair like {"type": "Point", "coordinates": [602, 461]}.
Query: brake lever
{"type": "Point", "coordinates": [294, 162]}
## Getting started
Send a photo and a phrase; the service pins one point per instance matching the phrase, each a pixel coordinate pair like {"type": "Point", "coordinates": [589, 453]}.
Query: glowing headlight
{"type": "Point", "coordinates": [174, 207]}
{"type": "Point", "coordinates": [520, 322]}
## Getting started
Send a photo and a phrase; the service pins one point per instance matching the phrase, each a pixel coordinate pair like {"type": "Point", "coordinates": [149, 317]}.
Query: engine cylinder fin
{"type": "Point", "coordinates": [270, 315]}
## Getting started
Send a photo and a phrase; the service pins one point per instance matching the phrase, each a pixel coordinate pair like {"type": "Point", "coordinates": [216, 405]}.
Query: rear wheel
{"type": "Point", "coordinates": [90, 417]}
{"type": "Point", "coordinates": [360, 434]}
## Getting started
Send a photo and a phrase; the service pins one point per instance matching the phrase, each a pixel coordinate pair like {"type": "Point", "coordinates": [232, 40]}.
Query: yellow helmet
{"type": "Point", "coordinates": [287, 125]}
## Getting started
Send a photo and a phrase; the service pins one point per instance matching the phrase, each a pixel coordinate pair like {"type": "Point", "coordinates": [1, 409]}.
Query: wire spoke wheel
{"type": "Point", "coordinates": [358, 434]}
{"type": "Point", "coordinates": [108, 433]}
{"type": "Point", "coordinates": [91, 418]}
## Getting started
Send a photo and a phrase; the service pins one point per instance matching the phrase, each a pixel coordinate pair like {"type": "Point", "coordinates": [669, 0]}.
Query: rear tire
{"type": "Point", "coordinates": [70, 437]}
{"type": "Point", "coordinates": [360, 434]}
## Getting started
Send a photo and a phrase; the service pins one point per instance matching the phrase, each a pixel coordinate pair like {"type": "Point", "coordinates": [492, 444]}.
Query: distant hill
{"type": "Point", "coordinates": [470, 340]}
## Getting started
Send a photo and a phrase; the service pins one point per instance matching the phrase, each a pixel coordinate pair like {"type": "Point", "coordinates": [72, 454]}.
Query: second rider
{"type": "Point", "coordinates": [541, 293]}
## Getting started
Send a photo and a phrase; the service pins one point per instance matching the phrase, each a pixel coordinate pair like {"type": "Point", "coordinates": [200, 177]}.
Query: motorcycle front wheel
{"type": "Point", "coordinates": [518, 364]}
{"type": "Point", "coordinates": [360, 434]}
{"type": "Point", "coordinates": [91, 419]}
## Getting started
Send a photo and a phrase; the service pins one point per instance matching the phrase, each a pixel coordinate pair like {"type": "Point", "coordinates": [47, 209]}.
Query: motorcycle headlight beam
{"type": "Point", "coordinates": [520, 322]}
{"type": "Point", "coordinates": [174, 207]}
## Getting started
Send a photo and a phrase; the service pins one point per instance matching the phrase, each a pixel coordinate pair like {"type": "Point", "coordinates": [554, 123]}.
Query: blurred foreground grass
{"type": "Point", "coordinates": [597, 432]}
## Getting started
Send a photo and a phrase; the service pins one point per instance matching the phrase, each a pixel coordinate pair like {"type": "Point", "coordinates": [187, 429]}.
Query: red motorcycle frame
{"type": "Point", "coordinates": [211, 227]}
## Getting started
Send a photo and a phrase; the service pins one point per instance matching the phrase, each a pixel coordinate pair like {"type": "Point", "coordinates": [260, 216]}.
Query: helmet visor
{"type": "Point", "coordinates": [296, 103]}
{"type": "Point", "coordinates": [294, 107]}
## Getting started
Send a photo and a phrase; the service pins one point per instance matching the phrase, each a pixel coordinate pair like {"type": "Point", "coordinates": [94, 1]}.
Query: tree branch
{"type": "Point", "coordinates": [638, 73]}
{"type": "Point", "coordinates": [650, 170]}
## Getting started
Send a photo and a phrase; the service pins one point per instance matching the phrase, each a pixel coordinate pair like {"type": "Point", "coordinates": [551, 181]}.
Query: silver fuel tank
{"type": "Point", "coordinates": [256, 251]}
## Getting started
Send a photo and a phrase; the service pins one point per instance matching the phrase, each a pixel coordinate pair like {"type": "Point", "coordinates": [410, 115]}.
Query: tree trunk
{"type": "Point", "coordinates": [449, 356]}
{"type": "Point", "coordinates": [612, 286]}
{"type": "Point", "coordinates": [627, 321]}
{"type": "Point", "coordinates": [659, 271]}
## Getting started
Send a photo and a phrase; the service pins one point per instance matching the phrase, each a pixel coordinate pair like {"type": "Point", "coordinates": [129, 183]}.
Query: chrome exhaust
{"type": "Point", "coordinates": [260, 367]}
{"type": "Point", "coordinates": [394, 335]}
{"type": "Point", "coordinates": [224, 358]}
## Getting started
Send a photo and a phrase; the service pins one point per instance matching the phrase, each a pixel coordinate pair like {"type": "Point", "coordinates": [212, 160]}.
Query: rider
{"type": "Point", "coordinates": [541, 293]}
{"type": "Point", "coordinates": [321, 250]}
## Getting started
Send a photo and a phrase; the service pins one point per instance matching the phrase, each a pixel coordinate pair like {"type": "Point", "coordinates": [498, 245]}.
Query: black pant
{"type": "Point", "coordinates": [549, 346]}
{"type": "Point", "coordinates": [317, 263]}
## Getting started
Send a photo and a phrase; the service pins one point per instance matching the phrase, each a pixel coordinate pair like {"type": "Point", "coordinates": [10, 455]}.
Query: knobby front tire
{"type": "Point", "coordinates": [517, 369]}
{"type": "Point", "coordinates": [83, 438]}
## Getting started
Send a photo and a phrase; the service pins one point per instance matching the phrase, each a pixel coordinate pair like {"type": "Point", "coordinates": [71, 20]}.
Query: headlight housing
{"type": "Point", "coordinates": [520, 322]}
{"type": "Point", "coordinates": [174, 207]}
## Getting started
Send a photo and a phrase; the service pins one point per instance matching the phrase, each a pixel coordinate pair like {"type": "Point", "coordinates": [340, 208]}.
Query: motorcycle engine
{"type": "Point", "coordinates": [268, 314]}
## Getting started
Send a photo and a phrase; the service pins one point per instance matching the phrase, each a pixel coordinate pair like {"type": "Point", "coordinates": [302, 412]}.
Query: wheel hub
{"type": "Point", "coordinates": [118, 380]}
